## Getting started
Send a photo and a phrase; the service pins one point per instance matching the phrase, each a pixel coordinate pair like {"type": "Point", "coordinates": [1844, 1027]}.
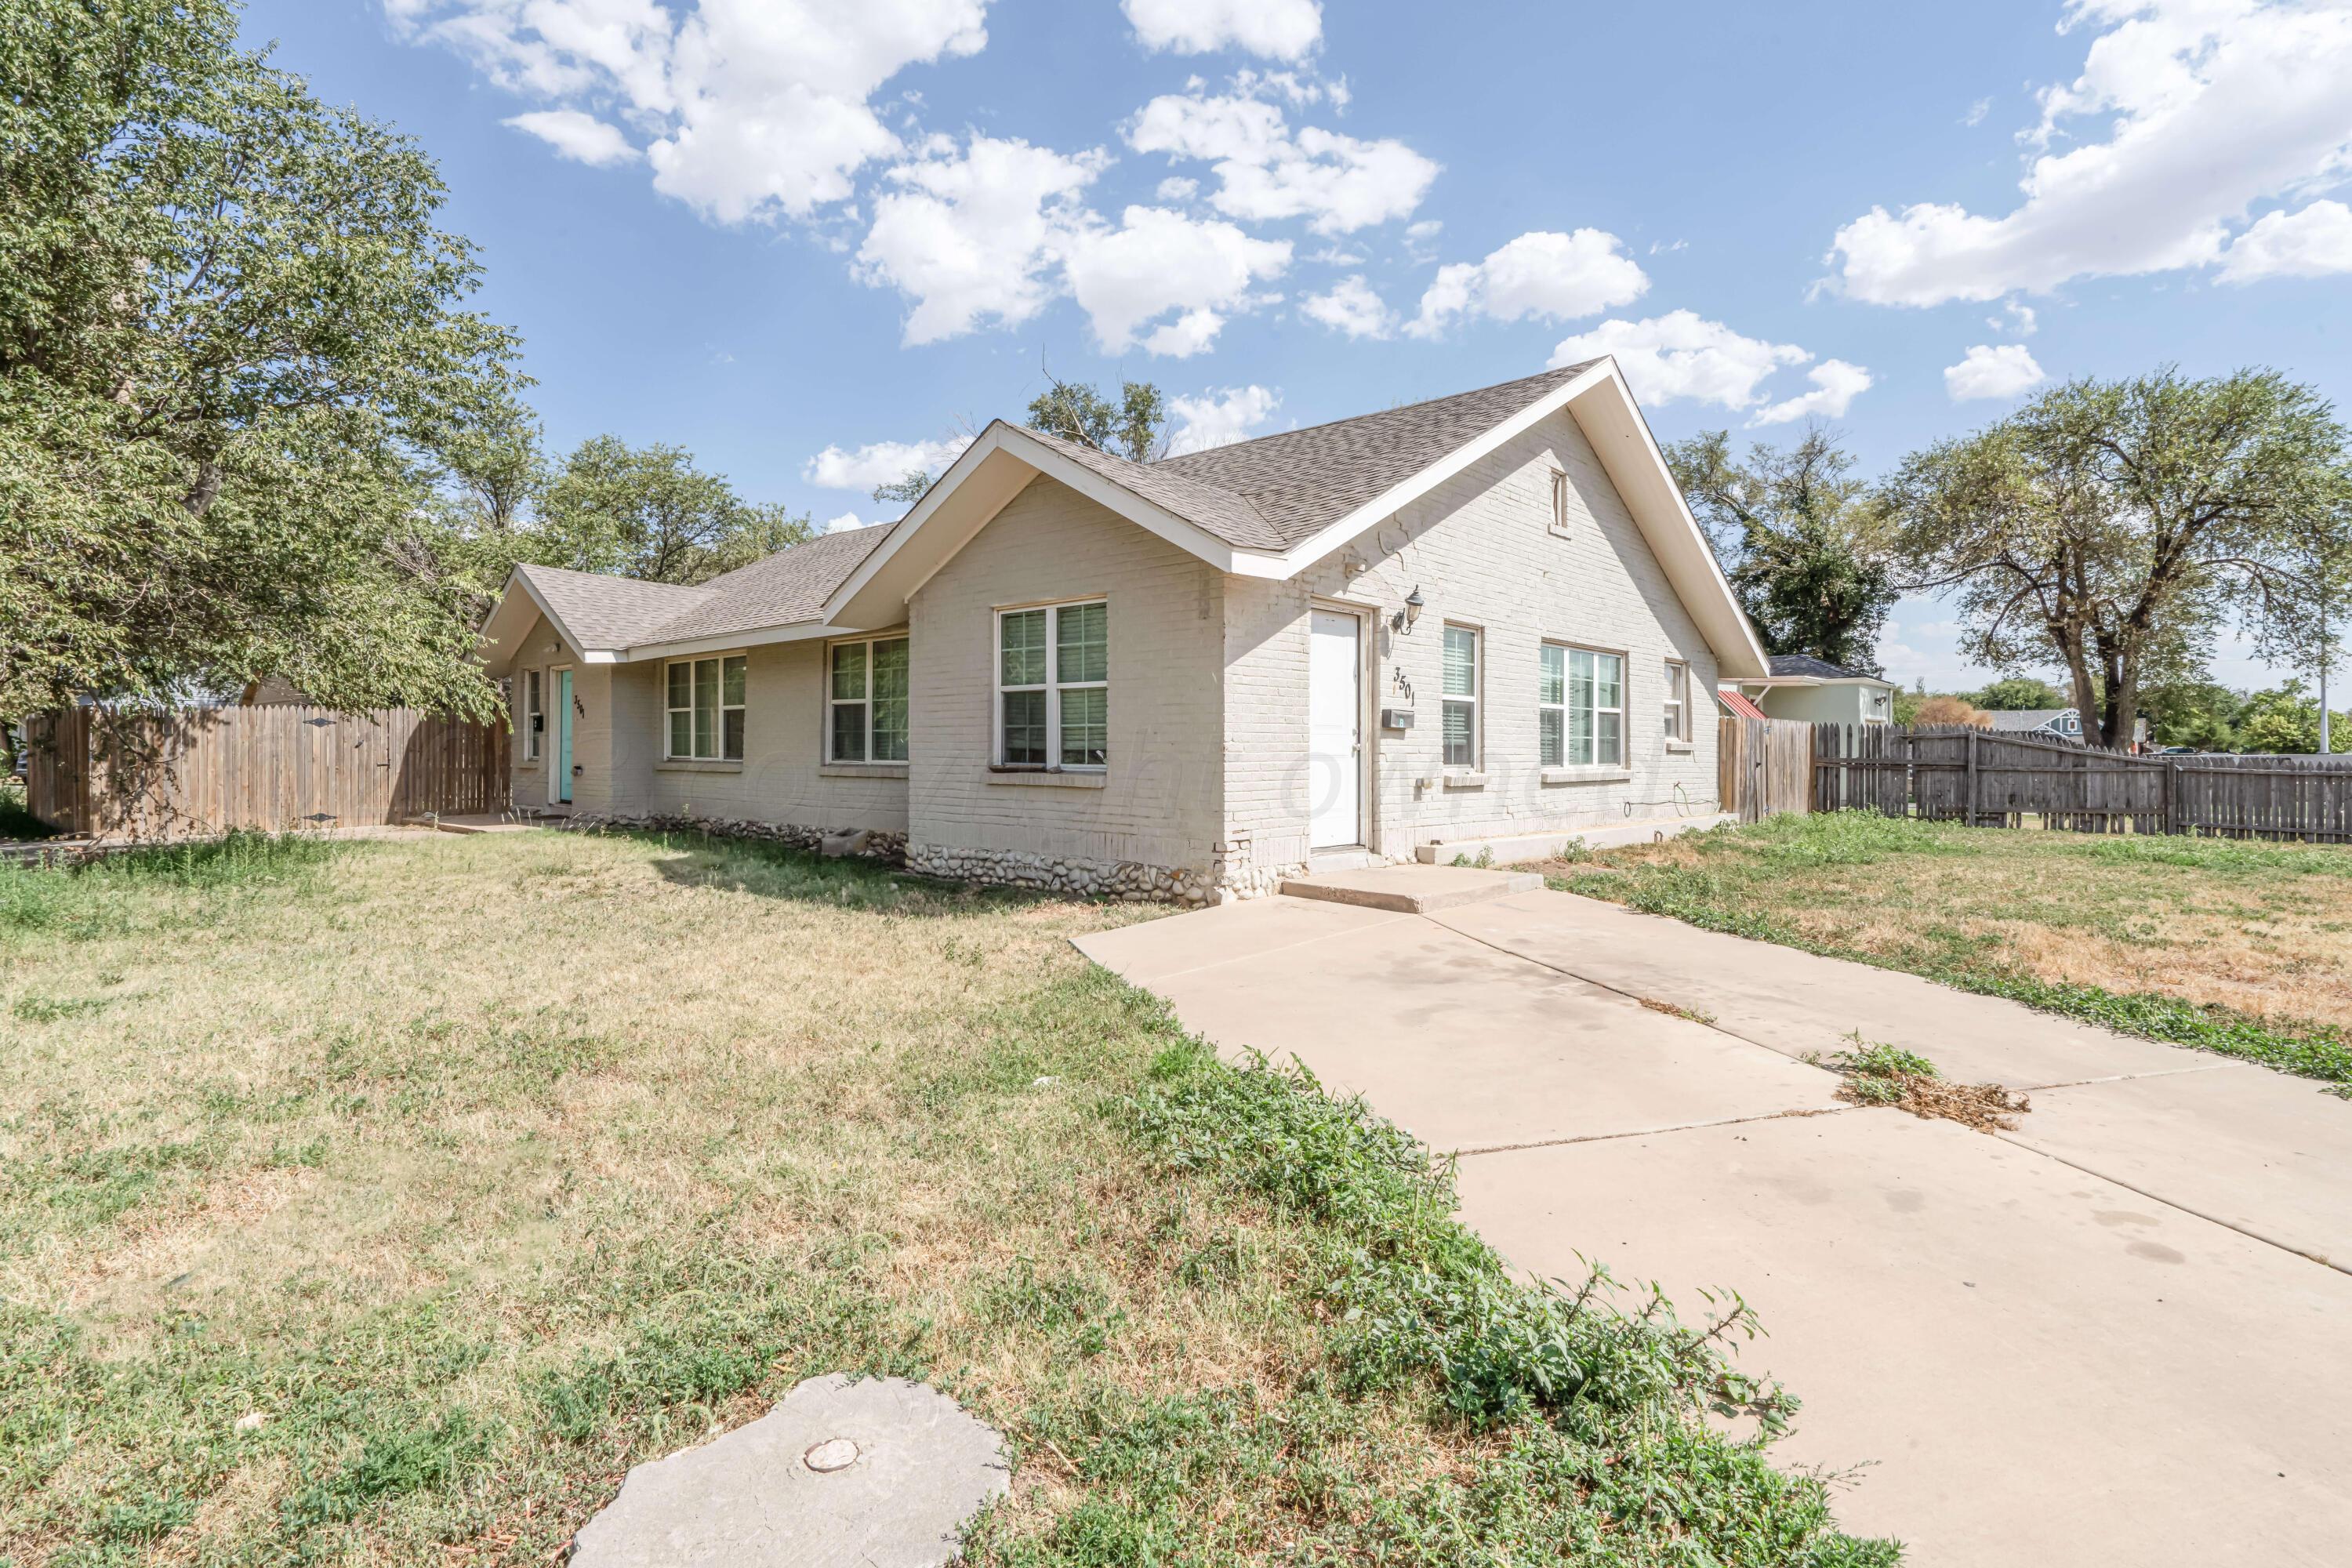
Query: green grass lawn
{"type": "Point", "coordinates": [2241, 947]}
{"type": "Point", "coordinates": [382, 1203]}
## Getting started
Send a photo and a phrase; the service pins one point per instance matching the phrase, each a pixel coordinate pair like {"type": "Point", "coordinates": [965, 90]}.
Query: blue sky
{"type": "Point", "coordinates": [810, 239]}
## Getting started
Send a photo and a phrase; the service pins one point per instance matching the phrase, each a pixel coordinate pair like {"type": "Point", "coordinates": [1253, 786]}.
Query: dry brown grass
{"type": "Point", "coordinates": [2262, 930]}
{"type": "Point", "coordinates": [440, 1122]}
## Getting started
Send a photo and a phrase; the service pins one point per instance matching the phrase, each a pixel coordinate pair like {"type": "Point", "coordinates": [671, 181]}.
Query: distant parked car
{"type": "Point", "coordinates": [2173, 752]}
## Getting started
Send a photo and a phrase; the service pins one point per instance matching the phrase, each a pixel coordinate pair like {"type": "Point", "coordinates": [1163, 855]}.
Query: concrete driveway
{"type": "Point", "coordinates": [2121, 1334]}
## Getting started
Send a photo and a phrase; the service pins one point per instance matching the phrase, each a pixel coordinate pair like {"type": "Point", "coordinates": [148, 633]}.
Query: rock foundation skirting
{"type": "Point", "coordinates": [1128, 880]}
{"type": "Point", "coordinates": [885, 846]}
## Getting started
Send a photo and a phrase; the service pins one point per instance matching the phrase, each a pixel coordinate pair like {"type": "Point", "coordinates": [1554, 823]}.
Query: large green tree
{"type": "Point", "coordinates": [648, 512]}
{"type": "Point", "coordinates": [1135, 427]}
{"type": "Point", "coordinates": [231, 334]}
{"type": "Point", "coordinates": [2115, 525]}
{"type": "Point", "coordinates": [1801, 538]}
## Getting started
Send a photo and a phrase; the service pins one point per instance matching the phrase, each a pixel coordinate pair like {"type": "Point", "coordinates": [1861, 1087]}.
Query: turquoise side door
{"type": "Point", "coordinates": [563, 737]}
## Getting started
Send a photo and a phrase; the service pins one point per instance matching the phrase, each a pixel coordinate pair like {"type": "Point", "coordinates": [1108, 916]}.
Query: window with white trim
{"type": "Point", "coordinates": [865, 698]}
{"type": "Point", "coordinates": [1053, 686]}
{"type": "Point", "coordinates": [1459, 705]}
{"type": "Point", "coordinates": [1580, 708]}
{"type": "Point", "coordinates": [1676, 702]}
{"type": "Point", "coordinates": [534, 715]}
{"type": "Point", "coordinates": [1559, 502]}
{"type": "Point", "coordinates": [704, 706]}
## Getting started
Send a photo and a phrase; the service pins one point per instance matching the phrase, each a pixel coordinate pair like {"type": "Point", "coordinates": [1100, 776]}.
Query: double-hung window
{"type": "Point", "coordinates": [1677, 701]}
{"type": "Point", "coordinates": [534, 714]}
{"type": "Point", "coordinates": [867, 698]}
{"type": "Point", "coordinates": [1053, 686]}
{"type": "Point", "coordinates": [704, 709]}
{"type": "Point", "coordinates": [1458, 709]}
{"type": "Point", "coordinates": [1580, 708]}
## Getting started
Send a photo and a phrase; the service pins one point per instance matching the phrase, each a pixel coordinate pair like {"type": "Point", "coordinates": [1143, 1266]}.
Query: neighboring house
{"type": "Point", "coordinates": [1817, 691]}
{"type": "Point", "coordinates": [2054, 723]}
{"type": "Point", "coordinates": [2051, 723]}
{"type": "Point", "coordinates": [1482, 616]}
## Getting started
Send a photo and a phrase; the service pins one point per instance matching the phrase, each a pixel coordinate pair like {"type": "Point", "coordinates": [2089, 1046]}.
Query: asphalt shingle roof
{"type": "Point", "coordinates": [1222, 513]}
{"type": "Point", "coordinates": [1268, 494]}
{"type": "Point", "coordinates": [1301, 481]}
{"type": "Point", "coordinates": [775, 591]}
{"type": "Point", "coordinates": [2022, 718]}
{"type": "Point", "coordinates": [607, 612]}
{"type": "Point", "coordinates": [1818, 668]}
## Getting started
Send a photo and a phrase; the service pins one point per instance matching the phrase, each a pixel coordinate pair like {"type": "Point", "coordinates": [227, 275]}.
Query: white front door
{"type": "Point", "coordinates": [1335, 717]}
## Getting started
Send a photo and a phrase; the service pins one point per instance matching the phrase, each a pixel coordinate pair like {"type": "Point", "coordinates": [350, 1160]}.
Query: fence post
{"type": "Point", "coordinates": [2171, 794]}
{"type": "Point", "coordinates": [1971, 817]}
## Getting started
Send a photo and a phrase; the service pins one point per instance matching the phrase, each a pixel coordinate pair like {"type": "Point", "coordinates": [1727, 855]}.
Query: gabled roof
{"type": "Point", "coordinates": [610, 620]}
{"type": "Point", "coordinates": [1267, 508]}
{"type": "Point", "coordinates": [2025, 718]}
{"type": "Point", "coordinates": [1274, 506]}
{"type": "Point", "coordinates": [1804, 666]}
{"type": "Point", "coordinates": [1302, 481]}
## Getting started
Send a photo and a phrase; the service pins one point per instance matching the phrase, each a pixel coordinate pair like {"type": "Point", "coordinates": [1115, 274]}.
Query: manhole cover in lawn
{"type": "Point", "coordinates": [884, 1471]}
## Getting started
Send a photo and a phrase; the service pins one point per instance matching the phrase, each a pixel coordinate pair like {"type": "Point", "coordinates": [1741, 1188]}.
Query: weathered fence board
{"type": "Point", "coordinates": [1763, 766]}
{"type": "Point", "coordinates": [206, 769]}
{"type": "Point", "coordinates": [1987, 779]}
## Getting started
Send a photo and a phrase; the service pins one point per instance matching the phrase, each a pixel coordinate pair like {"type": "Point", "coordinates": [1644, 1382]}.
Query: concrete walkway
{"type": "Point", "coordinates": [2121, 1334]}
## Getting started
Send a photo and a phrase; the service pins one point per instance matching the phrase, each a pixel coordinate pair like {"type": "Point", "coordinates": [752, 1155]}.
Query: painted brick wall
{"type": "Point", "coordinates": [783, 778]}
{"type": "Point", "coordinates": [1481, 550]}
{"type": "Point", "coordinates": [1160, 803]}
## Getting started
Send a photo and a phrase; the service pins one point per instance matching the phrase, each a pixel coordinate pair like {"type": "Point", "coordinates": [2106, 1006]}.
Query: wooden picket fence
{"type": "Point", "coordinates": [1763, 766]}
{"type": "Point", "coordinates": [144, 775]}
{"type": "Point", "coordinates": [1989, 779]}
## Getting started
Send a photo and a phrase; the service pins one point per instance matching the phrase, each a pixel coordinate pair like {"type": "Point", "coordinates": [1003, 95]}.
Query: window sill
{"type": "Point", "coordinates": [1050, 778]}
{"type": "Point", "coordinates": [1464, 778]}
{"type": "Point", "coordinates": [861, 770]}
{"type": "Point", "coordinates": [697, 766]}
{"type": "Point", "coordinates": [1587, 776]}
{"type": "Point", "coordinates": [1681, 746]}
{"type": "Point", "coordinates": [528, 765]}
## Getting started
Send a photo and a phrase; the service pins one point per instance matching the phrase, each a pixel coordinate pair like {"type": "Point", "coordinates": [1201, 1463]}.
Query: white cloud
{"type": "Point", "coordinates": [881, 462]}
{"type": "Point", "coordinates": [1220, 417]}
{"type": "Point", "coordinates": [1157, 262]}
{"type": "Point", "coordinates": [1683, 355]}
{"type": "Point", "coordinates": [1351, 307]}
{"type": "Point", "coordinates": [756, 108]}
{"type": "Point", "coordinates": [2197, 110]}
{"type": "Point", "coordinates": [2312, 243]}
{"type": "Point", "coordinates": [1277, 29]}
{"type": "Point", "coordinates": [1550, 277]}
{"type": "Point", "coordinates": [971, 236]}
{"type": "Point", "coordinates": [847, 520]}
{"type": "Point", "coordinates": [1836, 385]}
{"type": "Point", "coordinates": [1977, 112]}
{"type": "Point", "coordinates": [2016, 316]}
{"type": "Point", "coordinates": [1266, 172]}
{"type": "Point", "coordinates": [1990, 371]}
{"type": "Point", "coordinates": [1177, 189]}
{"type": "Point", "coordinates": [582, 138]}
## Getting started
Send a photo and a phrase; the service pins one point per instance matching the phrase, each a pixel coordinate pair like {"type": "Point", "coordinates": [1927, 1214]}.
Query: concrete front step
{"type": "Point", "coordinates": [1412, 890]}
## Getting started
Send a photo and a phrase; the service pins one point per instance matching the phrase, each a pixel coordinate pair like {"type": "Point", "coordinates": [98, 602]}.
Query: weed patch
{"type": "Point", "coordinates": [1881, 1074]}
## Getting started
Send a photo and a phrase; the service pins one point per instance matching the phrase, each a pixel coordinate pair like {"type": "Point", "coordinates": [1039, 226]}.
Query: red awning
{"type": "Point", "coordinates": [1738, 704]}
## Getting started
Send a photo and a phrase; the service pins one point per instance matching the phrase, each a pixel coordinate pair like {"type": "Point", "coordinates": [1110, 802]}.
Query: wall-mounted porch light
{"type": "Point", "coordinates": [1411, 611]}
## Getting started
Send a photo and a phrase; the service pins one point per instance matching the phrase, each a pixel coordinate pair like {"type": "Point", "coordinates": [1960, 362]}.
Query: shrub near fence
{"type": "Point", "coordinates": [208, 769]}
{"type": "Point", "coordinates": [1988, 779]}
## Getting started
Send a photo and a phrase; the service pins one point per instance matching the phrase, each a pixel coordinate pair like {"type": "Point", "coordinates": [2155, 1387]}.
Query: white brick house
{"type": "Point", "coordinates": [1485, 616]}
